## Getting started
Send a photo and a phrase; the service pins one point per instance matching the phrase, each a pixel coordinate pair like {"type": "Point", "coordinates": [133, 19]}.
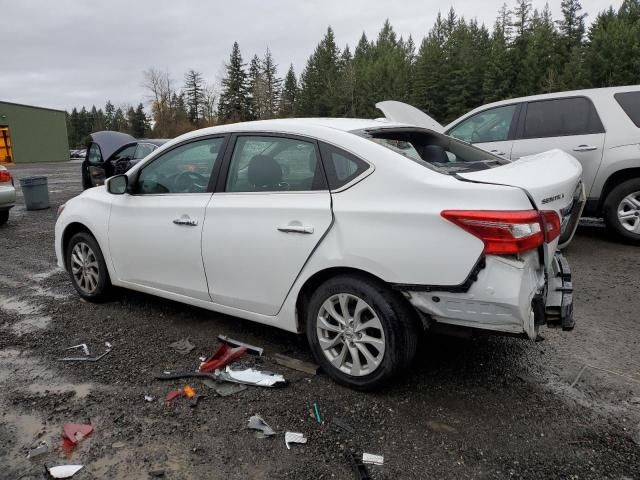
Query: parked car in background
{"type": "Point", "coordinates": [112, 153]}
{"type": "Point", "coordinates": [360, 233]}
{"type": "Point", "coordinates": [600, 127]}
{"type": "Point", "coordinates": [7, 194]}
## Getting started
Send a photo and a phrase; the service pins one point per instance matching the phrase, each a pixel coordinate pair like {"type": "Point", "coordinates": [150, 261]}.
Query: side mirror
{"type": "Point", "coordinates": [117, 185]}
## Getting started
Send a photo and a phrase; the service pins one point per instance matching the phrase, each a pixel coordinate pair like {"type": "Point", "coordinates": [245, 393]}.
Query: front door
{"type": "Point", "coordinates": [155, 232]}
{"type": "Point", "coordinates": [262, 226]}
{"type": "Point", "coordinates": [570, 124]}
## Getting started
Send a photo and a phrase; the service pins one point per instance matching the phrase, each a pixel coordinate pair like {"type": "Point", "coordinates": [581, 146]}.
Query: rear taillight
{"type": "Point", "coordinates": [503, 232]}
{"type": "Point", "coordinates": [5, 176]}
{"type": "Point", "coordinates": [552, 225]}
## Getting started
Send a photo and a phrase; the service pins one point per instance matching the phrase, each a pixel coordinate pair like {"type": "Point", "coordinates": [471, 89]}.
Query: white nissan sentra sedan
{"type": "Point", "coordinates": [359, 232]}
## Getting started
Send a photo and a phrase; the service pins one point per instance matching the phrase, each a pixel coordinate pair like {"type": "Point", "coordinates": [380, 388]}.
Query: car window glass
{"type": "Point", "coordinates": [124, 154]}
{"type": "Point", "coordinates": [185, 169]}
{"type": "Point", "coordinates": [271, 164]}
{"type": "Point", "coordinates": [489, 126]}
{"type": "Point", "coordinates": [561, 117]}
{"type": "Point", "coordinates": [142, 150]}
{"type": "Point", "coordinates": [341, 166]}
{"type": "Point", "coordinates": [94, 155]}
{"type": "Point", "coordinates": [630, 103]}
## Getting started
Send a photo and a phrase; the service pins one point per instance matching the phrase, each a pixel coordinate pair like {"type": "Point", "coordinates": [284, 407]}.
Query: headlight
{"type": "Point", "coordinates": [61, 209]}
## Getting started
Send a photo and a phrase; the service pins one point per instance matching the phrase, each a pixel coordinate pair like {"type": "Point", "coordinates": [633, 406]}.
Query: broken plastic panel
{"type": "Point", "coordinates": [294, 437]}
{"type": "Point", "coordinates": [64, 471]}
{"type": "Point", "coordinates": [256, 422]}
{"type": "Point", "coordinates": [373, 459]}
{"type": "Point", "coordinates": [74, 432]}
{"type": "Point", "coordinates": [249, 376]}
{"type": "Point", "coordinates": [222, 357]}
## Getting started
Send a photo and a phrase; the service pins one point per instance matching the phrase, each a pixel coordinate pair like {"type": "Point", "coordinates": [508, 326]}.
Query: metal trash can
{"type": "Point", "coordinates": [36, 192]}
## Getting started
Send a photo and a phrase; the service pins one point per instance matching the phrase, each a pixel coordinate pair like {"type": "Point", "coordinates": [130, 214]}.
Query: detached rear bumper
{"type": "Point", "coordinates": [510, 295]}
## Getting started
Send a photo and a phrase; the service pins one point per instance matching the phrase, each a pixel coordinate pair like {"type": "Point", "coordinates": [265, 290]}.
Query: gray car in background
{"type": "Point", "coordinates": [600, 127]}
{"type": "Point", "coordinates": [7, 194]}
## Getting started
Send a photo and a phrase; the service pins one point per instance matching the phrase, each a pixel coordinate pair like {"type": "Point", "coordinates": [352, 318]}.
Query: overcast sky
{"type": "Point", "coordinates": [72, 53]}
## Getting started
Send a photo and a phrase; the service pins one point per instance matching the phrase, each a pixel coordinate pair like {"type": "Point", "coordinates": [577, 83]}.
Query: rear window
{"type": "Point", "coordinates": [433, 150]}
{"type": "Point", "coordinates": [630, 103]}
{"type": "Point", "coordinates": [341, 167]}
{"type": "Point", "coordinates": [561, 117]}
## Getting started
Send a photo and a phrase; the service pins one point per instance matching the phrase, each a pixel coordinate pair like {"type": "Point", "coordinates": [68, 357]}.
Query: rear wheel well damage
{"type": "Point", "coordinates": [613, 181]}
{"type": "Point", "coordinates": [69, 232]}
{"type": "Point", "coordinates": [318, 278]}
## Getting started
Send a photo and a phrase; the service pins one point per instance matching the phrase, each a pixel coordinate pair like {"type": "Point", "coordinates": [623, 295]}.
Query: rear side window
{"type": "Point", "coordinates": [341, 167]}
{"type": "Point", "coordinates": [630, 103]}
{"type": "Point", "coordinates": [561, 117]}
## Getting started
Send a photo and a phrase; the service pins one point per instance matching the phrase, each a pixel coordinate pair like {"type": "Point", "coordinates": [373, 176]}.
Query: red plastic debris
{"type": "Point", "coordinates": [74, 432]}
{"type": "Point", "coordinates": [222, 357]}
{"type": "Point", "coordinates": [173, 394]}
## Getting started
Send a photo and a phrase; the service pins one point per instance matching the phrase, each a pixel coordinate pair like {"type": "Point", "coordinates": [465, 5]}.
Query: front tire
{"type": "Point", "coordinates": [622, 210]}
{"type": "Point", "coordinates": [360, 331]}
{"type": "Point", "coordinates": [87, 268]}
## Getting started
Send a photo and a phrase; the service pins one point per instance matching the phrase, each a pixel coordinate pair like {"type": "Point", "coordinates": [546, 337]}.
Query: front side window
{"type": "Point", "coordinates": [492, 125]}
{"type": "Point", "coordinates": [274, 164]}
{"type": "Point", "coordinates": [561, 117]}
{"type": "Point", "coordinates": [143, 149]}
{"type": "Point", "coordinates": [630, 103]}
{"type": "Point", "coordinates": [124, 154]}
{"type": "Point", "coordinates": [94, 155]}
{"type": "Point", "coordinates": [184, 169]}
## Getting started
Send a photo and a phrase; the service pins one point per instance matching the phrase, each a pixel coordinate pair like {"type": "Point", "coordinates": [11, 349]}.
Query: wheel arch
{"type": "Point", "coordinates": [321, 276]}
{"type": "Point", "coordinates": [615, 179]}
{"type": "Point", "coordinates": [69, 231]}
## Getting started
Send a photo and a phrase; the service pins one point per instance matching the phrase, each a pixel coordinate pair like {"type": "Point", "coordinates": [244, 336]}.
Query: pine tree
{"type": "Point", "coordinates": [272, 84]}
{"type": "Point", "coordinates": [109, 112]}
{"type": "Point", "coordinates": [289, 95]}
{"type": "Point", "coordinates": [194, 95]}
{"type": "Point", "coordinates": [498, 74]}
{"type": "Point", "coordinates": [256, 89]}
{"type": "Point", "coordinates": [572, 26]}
{"type": "Point", "coordinates": [234, 104]}
{"type": "Point", "coordinates": [119, 121]}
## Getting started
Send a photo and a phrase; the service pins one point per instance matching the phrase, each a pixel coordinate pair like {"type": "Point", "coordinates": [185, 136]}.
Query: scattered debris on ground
{"type": "Point", "coordinates": [182, 346]}
{"type": "Point", "coordinates": [256, 422]}
{"type": "Point", "coordinates": [251, 349]}
{"type": "Point", "coordinates": [86, 358]}
{"type": "Point", "coordinates": [40, 449]}
{"type": "Point", "coordinates": [295, 364]}
{"type": "Point", "coordinates": [222, 357]}
{"type": "Point", "coordinates": [76, 432]}
{"type": "Point", "coordinates": [64, 471]}
{"type": "Point", "coordinates": [359, 469]}
{"type": "Point", "coordinates": [372, 459]}
{"type": "Point", "coordinates": [342, 424]}
{"type": "Point", "coordinates": [316, 412]}
{"type": "Point", "coordinates": [294, 437]}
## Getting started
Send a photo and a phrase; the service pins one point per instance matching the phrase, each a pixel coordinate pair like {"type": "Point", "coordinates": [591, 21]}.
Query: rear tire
{"type": "Point", "coordinates": [4, 217]}
{"type": "Point", "coordinates": [379, 329]}
{"type": "Point", "coordinates": [621, 210]}
{"type": "Point", "coordinates": [87, 268]}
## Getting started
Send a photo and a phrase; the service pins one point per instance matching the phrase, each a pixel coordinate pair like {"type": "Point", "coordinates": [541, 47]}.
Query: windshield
{"type": "Point", "coordinates": [434, 150]}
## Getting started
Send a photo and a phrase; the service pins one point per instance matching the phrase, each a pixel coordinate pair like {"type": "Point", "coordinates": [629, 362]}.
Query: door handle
{"type": "Point", "coordinates": [497, 152]}
{"type": "Point", "coordinates": [186, 220]}
{"type": "Point", "coordinates": [296, 229]}
{"type": "Point", "coordinates": [585, 148]}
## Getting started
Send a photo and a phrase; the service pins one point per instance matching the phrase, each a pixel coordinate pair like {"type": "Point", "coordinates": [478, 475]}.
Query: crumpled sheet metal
{"type": "Point", "coordinates": [256, 422]}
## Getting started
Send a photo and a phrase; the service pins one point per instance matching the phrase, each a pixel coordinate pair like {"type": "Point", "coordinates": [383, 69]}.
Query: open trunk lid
{"type": "Point", "coordinates": [551, 179]}
{"type": "Point", "coordinates": [403, 113]}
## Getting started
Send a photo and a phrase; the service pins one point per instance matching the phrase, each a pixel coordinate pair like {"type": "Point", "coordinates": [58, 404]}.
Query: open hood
{"type": "Point", "coordinates": [552, 180]}
{"type": "Point", "coordinates": [403, 113]}
{"type": "Point", "coordinates": [109, 142]}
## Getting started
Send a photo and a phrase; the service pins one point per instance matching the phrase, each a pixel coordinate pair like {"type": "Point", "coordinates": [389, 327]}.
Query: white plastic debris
{"type": "Point", "coordinates": [372, 459]}
{"type": "Point", "coordinates": [257, 423]}
{"type": "Point", "coordinates": [250, 376]}
{"type": "Point", "coordinates": [294, 437]}
{"type": "Point", "coordinates": [64, 471]}
{"type": "Point", "coordinates": [148, 398]}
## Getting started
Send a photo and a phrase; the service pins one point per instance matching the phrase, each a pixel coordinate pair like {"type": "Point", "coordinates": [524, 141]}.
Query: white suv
{"type": "Point", "coordinates": [600, 127]}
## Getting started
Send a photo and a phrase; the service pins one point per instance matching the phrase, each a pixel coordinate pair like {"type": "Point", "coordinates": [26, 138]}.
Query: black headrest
{"type": "Point", "coordinates": [264, 171]}
{"type": "Point", "coordinates": [434, 154]}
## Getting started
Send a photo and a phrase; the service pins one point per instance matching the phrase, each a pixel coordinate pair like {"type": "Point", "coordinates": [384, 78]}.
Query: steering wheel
{"type": "Point", "coordinates": [190, 182]}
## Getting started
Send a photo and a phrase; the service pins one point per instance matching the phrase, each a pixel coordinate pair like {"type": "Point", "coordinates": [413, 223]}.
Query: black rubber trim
{"type": "Point", "coordinates": [462, 288]}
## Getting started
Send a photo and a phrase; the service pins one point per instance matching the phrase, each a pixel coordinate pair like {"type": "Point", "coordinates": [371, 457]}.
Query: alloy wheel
{"type": "Point", "coordinates": [350, 334]}
{"type": "Point", "coordinates": [629, 212]}
{"type": "Point", "coordinates": [84, 267]}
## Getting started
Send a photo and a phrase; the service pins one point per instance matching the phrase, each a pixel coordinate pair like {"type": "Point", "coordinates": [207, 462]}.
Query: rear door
{"type": "Point", "coordinates": [492, 129]}
{"type": "Point", "coordinates": [570, 124]}
{"type": "Point", "coordinates": [270, 209]}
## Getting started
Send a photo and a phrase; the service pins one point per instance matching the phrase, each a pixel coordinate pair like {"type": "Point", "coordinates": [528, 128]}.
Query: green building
{"type": "Point", "coordinates": [32, 134]}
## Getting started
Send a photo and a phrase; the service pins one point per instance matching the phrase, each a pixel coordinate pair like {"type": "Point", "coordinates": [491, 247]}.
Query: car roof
{"type": "Point", "coordinates": [154, 141]}
{"type": "Point", "coordinates": [589, 92]}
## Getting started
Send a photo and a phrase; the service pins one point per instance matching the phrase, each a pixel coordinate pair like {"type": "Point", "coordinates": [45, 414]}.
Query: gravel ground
{"type": "Point", "coordinates": [488, 407]}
